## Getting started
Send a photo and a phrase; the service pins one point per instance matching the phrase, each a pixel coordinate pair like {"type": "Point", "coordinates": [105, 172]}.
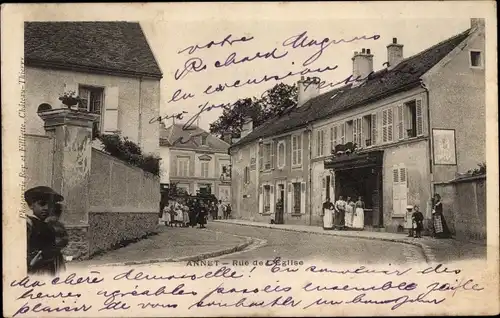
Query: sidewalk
{"type": "Point", "coordinates": [435, 250]}
{"type": "Point", "coordinates": [171, 244]}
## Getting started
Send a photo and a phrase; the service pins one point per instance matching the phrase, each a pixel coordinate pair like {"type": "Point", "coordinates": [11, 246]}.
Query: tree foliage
{"type": "Point", "coordinates": [271, 104]}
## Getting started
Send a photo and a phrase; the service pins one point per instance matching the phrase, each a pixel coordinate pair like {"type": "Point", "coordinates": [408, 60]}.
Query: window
{"type": "Point", "coordinates": [267, 156]}
{"type": "Point", "coordinates": [92, 101]}
{"type": "Point", "coordinates": [267, 198]}
{"type": "Point", "coordinates": [399, 189]}
{"type": "Point", "coordinates": [342, 133]}
{"type": "Point", "coordinates": [182, 167]}
{"type": "Point", "coordinates": [366, 131]}
{"type": "Point", "coordinates": [281, 154]}
{"type": "Point", "coordinates": [356, 131]}
{"type": "Point", "coordinates": [387, 125]}
{"type": "Point", "coordinates": [348, 132]}
{"type": "Point", "coordinates": [296, 150]}
{"type": "Point", "coordinates": [320, 143]}
{"type": "Point", "coordinates": [246, 176]}
{"type": "Point", "coordinates": [476, 59]}
{"type": "Point", "coordinates": [333, 138]}
{"type": "Point", "coordinates": [296, 198]}
{"type": "Point", "coordinates": [203, 140]}
{"type": "Point", "coordinates": [410, 119]}
{"type": "Point", "coordinates": [205, 188]}
{"type": "Point", "coordinates": [204, 169]}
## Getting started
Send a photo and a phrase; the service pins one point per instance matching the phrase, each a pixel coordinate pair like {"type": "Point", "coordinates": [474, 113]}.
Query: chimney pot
{"type": "Point", "coordinates": [302, 78]}
{"type": "Point", "coordinates": [367, 51]}
{"type": "Point", "coordinates": [394, 53]}
{"type": "Point", "coordinates": [363, 51]}
{"type": "Point", "coordinates": [395, 40]}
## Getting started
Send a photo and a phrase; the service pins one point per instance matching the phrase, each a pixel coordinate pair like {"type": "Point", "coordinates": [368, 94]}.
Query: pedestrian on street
{"type": "Point", "coordinates": [349, 212]}
{"type": "Point", "coordinates": [439, 223]}
{"type": "Point", "coordinates": [220, 210]}
{"type": "Point", "coordinates": [61, 236]}
{"type": "Point", "coordinates": [340, 207]}
{"type": "Point", "coordinates": [358, 222]}
{"type": "Point", "coordinates": [193, 212]}
{"type": "Point", "coordinates": [418, 221]}
{"type": "Point", "coordinates": [328, 210]}
{"type": "Point", "coordinates": [43, 254]}
{"type": "Point", "coordinates": [228, 211]}
{"type": "Point", "coordinates": [202, 214]}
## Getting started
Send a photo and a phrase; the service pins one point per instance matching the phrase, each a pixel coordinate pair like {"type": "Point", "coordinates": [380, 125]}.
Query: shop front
{"type": "Point", "coordinates": [360, 175]}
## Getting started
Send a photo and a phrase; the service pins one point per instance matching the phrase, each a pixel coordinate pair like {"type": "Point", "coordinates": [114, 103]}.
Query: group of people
{"type": "Point", "coordinates": [46, 235]}
{"type": "Point", "coordinates": [344, 214]}
{"type": "Point", "coordinates": [194, 212]}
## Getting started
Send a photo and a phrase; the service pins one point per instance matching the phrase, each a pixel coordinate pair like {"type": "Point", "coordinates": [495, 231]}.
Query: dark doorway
{"type": "Point", "coordinates": [280, 209]}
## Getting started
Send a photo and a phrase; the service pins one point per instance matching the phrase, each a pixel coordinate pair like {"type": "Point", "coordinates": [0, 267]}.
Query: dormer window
{"type": "Point", "coordinates": [204, 140]}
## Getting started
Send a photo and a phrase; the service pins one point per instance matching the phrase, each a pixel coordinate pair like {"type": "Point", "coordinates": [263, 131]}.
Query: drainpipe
{"type": "Point", "coordinates": [140, 113]}
{"type": "Point", "coordinates": [431, 184]}
{"type": "Point", "coordinates": [309, 130]}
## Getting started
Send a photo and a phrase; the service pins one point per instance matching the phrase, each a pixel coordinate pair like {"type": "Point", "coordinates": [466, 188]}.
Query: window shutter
{"type": "Point", "coordinates": [110, 110]}
{"type": "Point", "coordinates": [401, 134]}
{"type": "Point", "coordinates": [395, 191]}
{"type": "Point", "coordinates": [273, 164]}
{"type": "Point", "coordinates": [389, 125]}
{"type": "Point", "coordinates": [403, 188]}
{"type": "Point", "coordinates": [261, 199]}
{"type": "Point", "coordinates": [342, 133]}
{"type": "Point", "coordinates": [419, 119]}
{"type": "Point", "coordinates": [332, 140]}
{"type": "Point", "coordinates": [335, 136]}
{"type": "Point", "coordinates": [332, 188]}
{"type": "Point", "coordinates": [374, 129]}
{"type": "Point", "coordinates": [294, 150]}
{"type": "Point", "coordinates": [384, 125]}
{"type": "Point", "coordinates": [360, 132]}
{"type": "Point", "coordinates": [299, 149]}
{"type": "Point", "coordinates": [289, 202]}
{"type": "Point", "coordinates": [303, 198]}
{"type": "Point", "coordinates": [322, 145]}
{"type": "Point", "coordinates": [355, 131]}
{"type": "Point", "coordinates": [261, 157]}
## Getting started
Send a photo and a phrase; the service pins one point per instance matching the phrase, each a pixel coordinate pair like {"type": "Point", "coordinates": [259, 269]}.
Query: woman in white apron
{"type": "Point", "coordinates": [359, 215]}
{"type": "Point", "coordinates": [349, 212]}
{"type": "Point", "coordinates": [328, 210]}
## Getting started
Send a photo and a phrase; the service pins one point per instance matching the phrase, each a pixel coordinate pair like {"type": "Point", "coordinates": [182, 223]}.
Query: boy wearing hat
{"type": "Point", "coordinates": [41, 236]}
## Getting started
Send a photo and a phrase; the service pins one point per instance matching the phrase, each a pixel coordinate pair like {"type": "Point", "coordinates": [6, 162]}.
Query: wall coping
{"type": "Point", "coordinates": [125, 163]}
{"type": "Point", "coordinates": [38, 136]}
{"type": "Point", "coordinates": [468, 178]}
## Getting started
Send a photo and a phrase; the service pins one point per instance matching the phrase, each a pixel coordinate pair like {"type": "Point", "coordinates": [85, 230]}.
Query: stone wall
{"type": "Point", "coordinates": [464, 207]}
{"type": "Point", "coordinates": [79, 240]}
{"type": "Point", "coordinates": [107, 230]}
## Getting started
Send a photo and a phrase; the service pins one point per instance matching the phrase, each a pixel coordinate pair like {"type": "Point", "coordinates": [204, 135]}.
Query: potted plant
{"type": "Point", "coordinates": [70, 99]}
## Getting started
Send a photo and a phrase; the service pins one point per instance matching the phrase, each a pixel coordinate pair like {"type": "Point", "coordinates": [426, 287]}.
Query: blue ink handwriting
{"type": "Point", "coordinates": [398, 302]}
{"type": "Point", "coordinates": [231, 59]}
{"type": "Point", "coordinates": [359, 270]}
{"type": "Point", "coordinates": [156, 305]}
{"type": "Point", "coordinates": [177, 291]}
{"type": "Point", "coordinates": [403, 286]}
{"type": "Point", "coordinates": [222, 272]}
{"type": "Point", "coordinates": [193, 64]}
{"type": "Point", "coordinates": [302, 41]}
{"type": "Point", "coordinates": [39, 307]}
{"type": "Point", "coordinates": [227, 40]}
{"type": "Point", "coordinates": [177, 96]}
{"type": "Point", "coordinates": [70, 280]}
{"type": "Point", "coordinates": [439, 269]}
{"type": "Point", "coordinates": [176, 116]}
{"type": "Point", "coordinates": [29, 294]}
{"type": "Point", "coordinates": [26, 283]}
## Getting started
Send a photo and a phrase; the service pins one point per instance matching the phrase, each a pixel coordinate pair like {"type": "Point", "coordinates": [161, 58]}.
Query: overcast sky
{"type": "Point", "coordinates": [168, 38]}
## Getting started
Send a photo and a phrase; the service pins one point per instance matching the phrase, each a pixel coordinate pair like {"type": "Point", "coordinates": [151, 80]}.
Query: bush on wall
{"type": "Point", "coordinates": [130, 152]}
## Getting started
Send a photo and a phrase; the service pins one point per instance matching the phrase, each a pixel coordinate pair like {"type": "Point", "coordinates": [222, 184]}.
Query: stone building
{"type": "Point", "coordinates": [195, 160]}
{"type": "Point", "coordinates": [110, 65]}
{"type": "Point", "coordinates": [406, 120]}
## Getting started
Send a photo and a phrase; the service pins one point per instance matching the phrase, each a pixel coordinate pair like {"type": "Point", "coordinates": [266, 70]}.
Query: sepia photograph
{"type": "Point", "coordinates": [339, 160]}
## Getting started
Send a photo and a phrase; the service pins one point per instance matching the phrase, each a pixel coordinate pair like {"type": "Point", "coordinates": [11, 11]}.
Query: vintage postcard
{"type": "Point", "coordinates": [250, 159]}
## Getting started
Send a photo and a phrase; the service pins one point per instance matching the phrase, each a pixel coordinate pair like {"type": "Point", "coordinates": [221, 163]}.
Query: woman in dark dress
{"type": "Point", "coordinates": [193, 212]}
{"type": "Point", "coordinates": [439, 223]}
{"type": "Point", "coordinates": [61, 237]}
{"type": "Point", "coordinates": [202, 214]}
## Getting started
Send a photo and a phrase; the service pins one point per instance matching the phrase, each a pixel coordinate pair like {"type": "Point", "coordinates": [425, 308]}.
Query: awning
{"type": "Point", "coordinates": [355, 161]}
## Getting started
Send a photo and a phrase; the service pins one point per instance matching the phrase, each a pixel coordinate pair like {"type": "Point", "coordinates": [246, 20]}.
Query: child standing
{"type": "Point", "coordinates": [418, 221]}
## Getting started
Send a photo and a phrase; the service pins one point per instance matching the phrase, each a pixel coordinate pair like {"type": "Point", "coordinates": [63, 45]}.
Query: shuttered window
{"type": "Point", "coordinates": [296, 150]}
{"type": "Point", "coordinates": [401, 131]}
{"type": "Point", "coordinates": [399, 189]}
{"type": "Point", "coordinates": [374, 129]}
{"type": "Point", "coordinates": [387, 125]}
{"type": "Point", "coordinates": [419, 117]}
{"type": "Point", "coordinates": [320, 142]}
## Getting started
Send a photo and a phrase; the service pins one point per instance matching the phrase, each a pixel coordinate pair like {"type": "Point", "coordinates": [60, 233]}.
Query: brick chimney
{"type": "Point", "coordinates": [477, 23]}
{"type": "Point", "coordinates": [247, 126]}
{"type": "Point", "coordinates": [227, 137]}
{"type": "Point", "coordinates": [394, 53]}
{"type": "Point", "coordinates": [362, 64]}
{"type": "Point", "coordinates": [307, 88]}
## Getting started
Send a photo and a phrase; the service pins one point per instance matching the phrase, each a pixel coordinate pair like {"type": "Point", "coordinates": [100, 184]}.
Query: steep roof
{"type": "Point", "coordinates": [406, 75]}
{"type": "Point", "coordinates": [176, 136]}
{"type": "Point", "coordinates": [114, 47]}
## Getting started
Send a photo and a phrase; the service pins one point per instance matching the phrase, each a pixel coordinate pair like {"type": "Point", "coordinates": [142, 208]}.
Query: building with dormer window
{"type": "Point", "coordinates": [389, 137]}
{"type": "Point", "coordinates": [195, 160]}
